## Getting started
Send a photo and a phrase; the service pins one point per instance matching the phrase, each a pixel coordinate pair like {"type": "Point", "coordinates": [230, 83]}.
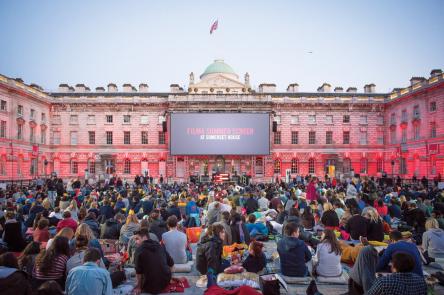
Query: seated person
{"type": "Point", "coordinates": [398, 245]}
{"type": "Point", "coordinates": [329, 218]}
{"type": "Point", "coordinates": [403, 279]}
{"type": "Point", "coordinates": [13, 280]}
{"type": "Point", "coordinates": [363, 273]}
{"type": "Point", "coordinates": [328, 254]}
{"type": "Point", "coordinates": [256, 229]}
{"type": "Point", "coordinates": [41, 233]}
{"type": "Point", "coordinates": [153, 264]}
{"type": "Point", "coordinates": [256, 260]}
{"type": "Point", "coordinates": [175, 242]}
{"type": "Point", "coordinates": [293, 252]}
{"type": "Point", "coordinates": [357, 225]}
{"type": "Point", "coordinates": [433, 241]}
{"type": "Point", "coordinates": [375, 230]}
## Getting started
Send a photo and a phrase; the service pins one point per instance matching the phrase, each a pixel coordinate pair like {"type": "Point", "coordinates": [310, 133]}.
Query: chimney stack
{"type": "Point", "coordinates": [267, 87]}
{"type": "Point", "coordinates": [80, 88]}
{"type": "Point", "coordinates": [293, 87]}
{"type": "Point", "coordinates": [100, 89]}
{"type": "Point", "coordinates": [63, 88]}
{"type": "Point", "coordinates": [143, 87]}
{"type": "Point", "coordinates": [324, 88]}
{"type": "Point", "coordinates": [352, 90]}
{"type": "Point", "coordinates": [416, 80]}
{"type": "Point", "coordinates": [128, 88]}
{"type": "Point", "coordinates": [112, 87]}
{"type": "Point", "coordinates": [339, 89]}
{"type": "Point", "coordinates": [369, 88]}
{"type": "Point", "coordinates": [435, 72]}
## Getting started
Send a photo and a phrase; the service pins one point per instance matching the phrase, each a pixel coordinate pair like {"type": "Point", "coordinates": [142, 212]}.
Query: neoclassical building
{"type": "Point", "coordinates": [81, 132]}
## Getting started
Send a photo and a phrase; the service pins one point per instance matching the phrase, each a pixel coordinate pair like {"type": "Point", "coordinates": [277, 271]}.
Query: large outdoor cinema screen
{"type": "Point", "coordinates": [220, 134]}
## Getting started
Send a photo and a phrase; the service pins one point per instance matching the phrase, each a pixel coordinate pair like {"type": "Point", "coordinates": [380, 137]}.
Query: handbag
{"type": "Point", "coordinates": [270, 284]}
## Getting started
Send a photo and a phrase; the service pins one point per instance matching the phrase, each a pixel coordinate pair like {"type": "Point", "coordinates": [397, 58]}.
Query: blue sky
{"type": "Point", "coordinates": [161, 42]}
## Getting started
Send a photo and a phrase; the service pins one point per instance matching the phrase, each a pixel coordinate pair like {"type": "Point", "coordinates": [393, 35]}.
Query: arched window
{"type": "Point", "coordinates": [346, 165]}
{"type": "Point", "coordinates": [311, 166]}
{"type": "Point", "coordinates": [277, 166]}
{"type": "Point", "coordinates": [294, 166]}
{"type": "Point", "coordinates": [364, 163]}
{"type": "Point", "coordinates": [127, 166]}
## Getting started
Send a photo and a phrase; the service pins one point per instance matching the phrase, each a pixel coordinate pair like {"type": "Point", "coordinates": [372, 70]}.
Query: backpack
{"type": "Point", "coordinates": [201, 259]}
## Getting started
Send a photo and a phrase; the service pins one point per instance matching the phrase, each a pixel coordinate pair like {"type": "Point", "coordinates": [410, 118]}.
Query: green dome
{"type": "Point", "coordinates": [218, 66]}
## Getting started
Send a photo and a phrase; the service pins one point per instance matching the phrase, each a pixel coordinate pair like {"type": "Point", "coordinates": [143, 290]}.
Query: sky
{"type": "Point", "coordinates": [352, 43]}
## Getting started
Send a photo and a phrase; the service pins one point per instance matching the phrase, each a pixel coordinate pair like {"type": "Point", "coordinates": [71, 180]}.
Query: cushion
{"type": "Point", "coordinates": [296, 280]}
{"type": "Point", "coordinates": [185, 267]}
{"type": "Point", "coordinates": [239, 279]}
{"type": "Point", "coordinates": [340, 280]}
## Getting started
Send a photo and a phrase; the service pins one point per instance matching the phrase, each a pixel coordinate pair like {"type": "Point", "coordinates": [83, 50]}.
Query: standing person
{"type": "Point", "coordinates": [175, 242]}
{"type": "Point", "coordinates": [89, 278]}
{"type": "Point", "coordinates": [51, 264]}
{"type": "Point", "coordinates": [403, 279]}
{"type": "Point", "coordinates": [293, 252]}
{"type": "Point", "coordinates": [311, 191]}
{"type": "Point", "coordinates": [153, 265]}
{"type": "Point", "coordinates": [328, 254]}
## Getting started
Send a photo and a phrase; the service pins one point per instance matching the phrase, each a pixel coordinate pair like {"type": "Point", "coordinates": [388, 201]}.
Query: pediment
{"type": "Point", "coordinates": [218, 81]}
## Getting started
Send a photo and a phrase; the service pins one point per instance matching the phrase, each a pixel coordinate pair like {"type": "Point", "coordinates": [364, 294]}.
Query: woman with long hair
{"type": "Point", "coordinates": [73, 208]}
{"type": "Point", "coordinates": [328, 255]}
{"type": "Point", "coordinates": [209, 250]}
{"type": "Point", "coordinates": [51, 264]}
{"type": "Point", "coordinates": [26, 260]}
{"type": "Point", "coordinates": [85, 231]}
{"type": "Point", "coordinates": [127, 231]}
{"type": "Point", "coordinates": [375, 231]}
{"type": "Point", "coordinates": [66, 232]}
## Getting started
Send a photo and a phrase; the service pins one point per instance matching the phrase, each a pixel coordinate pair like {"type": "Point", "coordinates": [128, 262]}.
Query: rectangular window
{"type": "Point", "coordinates": [393, 136]}
{"type": "Point", "coordinates": [380, 120]}
{"type": "Point", "coordinates": [91, 120]}
{"type": "Point", "coordinates": [32, 135]}
{"type": "Point", "coordinates": [3, 129]}
{"type": "Point", "coordinates": [311, 137]}
{"type": "Point", "coordinates": [19, 131]}
{"type": "Point", "coordinates": [74, 167]}
{"type": "Point", "coordinates": [3, 106]}
{"type": "Point", "coordinates": [294, 137]}
{"type": "Point", "coordinates": [109, 118]}
{"type": "Point", "coordinates": [161, 137]}
{"type": "Point", "coordinates": [20, 111]}
{"type": "Point", "coordinates": [329, 119]}
{"type": "Point", "coordinates": [144, 136]}
{"type": "Point", "coordinates": [312, 119]}
{"type": "Point", "coordinates": [74, 119]}
{"type": "Point", "coordinates": [403, 166]}
{"type": "Point", "coordinates": [329, 137]}
{"type": "Point", "coordinates": [379, 165]}
{"type": "Point", "coordinates": [43, 136]}
{"type": "Point", "coordinates": [294, 119]}
{"type": "Point", "coordinates": [277, 137]}
{"type": "Point", "coordinates": [92, 137]}
{"type": "Point", "coordinates": [404, 116]}
{"type": "Point", "coordinates": [404, 135]}
{"type": "Point", "coordinates": [346, 137]}
{"type": "Point", "coordinates": [109, 137]}
{"type": "Point", "coordinates": [393, 119]}
{"type": "Point", "coordinates": [73, 137]}
{"type": "Point", "coordinates": [416, 113]}
{"type": "Point", "coordinates": [432, 106]}
{"type": "Point", "coordinates": [127, 167]}
{"type": "Point", "coordinates": [363, 120]}
{"type": "Point", "coordinates": [346, 119]}
{"type": "Point", "coordinates": [144, 119]}
{"type": "Point", "coordinates": [56, 137]}
{"type": "Point", "coordinates": [32, 117]}
{"type": "Point", "coordinates": [43, 118]}
{"type": "Point", "coordinates": [363, 138]}
{"type": "Point", "coordinates": [126, 137]}
{"type": "Point", "coordinates": [56, 120]}
{"type": "Point", "coordinates": [380, 137]}
{"type": "Point", "coordinates": [126, 119]}
{"type": "Point", "coordinates": [433, 130]}
{"type": "Point", "coordinates": [91, 166]}
{"type": "Point", "coordinates": [416, 131]}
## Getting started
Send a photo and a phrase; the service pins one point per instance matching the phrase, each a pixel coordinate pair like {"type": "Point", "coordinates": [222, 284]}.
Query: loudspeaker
{"type": "Point", "coordinates": [275, 126]}
{"type": "Point", "coordinates": [164, 126]}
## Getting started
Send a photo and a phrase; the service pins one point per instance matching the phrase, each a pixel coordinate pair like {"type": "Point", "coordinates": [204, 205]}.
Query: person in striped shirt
{"type": "Point", "coordinates": [51, 264]}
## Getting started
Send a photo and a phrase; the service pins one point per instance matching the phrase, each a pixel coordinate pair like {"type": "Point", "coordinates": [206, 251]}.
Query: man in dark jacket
{"type": "Point", "coordinates": [293, 252]}
{"type": "Point", "coordinates": [208, 255]}
{"type": "Point", "coordinates": [91, 221]}
{"type": "Point", "coordinates": [357, 225]}
{"type": "Point", "coordinates": [111, 228]}
{"type": "Point", "coordinates": [12, 280]}
{"type": "Point", "coordinates": [251, 205]}
{"type": "Point", "coordinates": [106, 211]}
{"type": "Point", "coordinates": [153, 264]}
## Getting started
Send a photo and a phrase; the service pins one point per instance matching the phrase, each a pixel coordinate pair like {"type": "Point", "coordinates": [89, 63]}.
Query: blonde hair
{"type": "Point", "coordinates": [371, 214]}
{"type": "Point", "coordinates": [73, 205]}
{"type": "Point", "coordinates": [402, 199]}
{"type": "Point", "coordinates": [132, 218]}
{"type": "Point", "coordinates": [431, 223]}
{"type": "Point", "coordinates": [46, 204]}
{"type": "Point", "coordinates": [327, 206]}
{"type": "Point", "coordinates": [85, 230]}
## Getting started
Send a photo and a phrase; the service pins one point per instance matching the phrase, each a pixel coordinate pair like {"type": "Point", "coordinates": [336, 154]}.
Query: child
{"type": "Point", "coordinates": [256, 261]}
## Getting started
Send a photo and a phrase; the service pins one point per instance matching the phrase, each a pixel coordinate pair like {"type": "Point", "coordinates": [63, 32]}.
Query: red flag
{"type": "Point", "coordinates": [213, 27]}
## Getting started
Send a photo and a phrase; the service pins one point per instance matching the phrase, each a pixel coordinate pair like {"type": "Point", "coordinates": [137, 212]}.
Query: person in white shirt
{"type": "Point", "coordinates": [263, 202]}
{"type": "Point", "coordinates": [328, 255]}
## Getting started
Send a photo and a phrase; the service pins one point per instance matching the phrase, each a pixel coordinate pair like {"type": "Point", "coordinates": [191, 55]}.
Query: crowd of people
{"type": "Point", "coordinates": [52, 232]}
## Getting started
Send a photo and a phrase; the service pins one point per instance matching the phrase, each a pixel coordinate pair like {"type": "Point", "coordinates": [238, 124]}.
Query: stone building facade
{"type": "Point", "coordinates": [78, 132]}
